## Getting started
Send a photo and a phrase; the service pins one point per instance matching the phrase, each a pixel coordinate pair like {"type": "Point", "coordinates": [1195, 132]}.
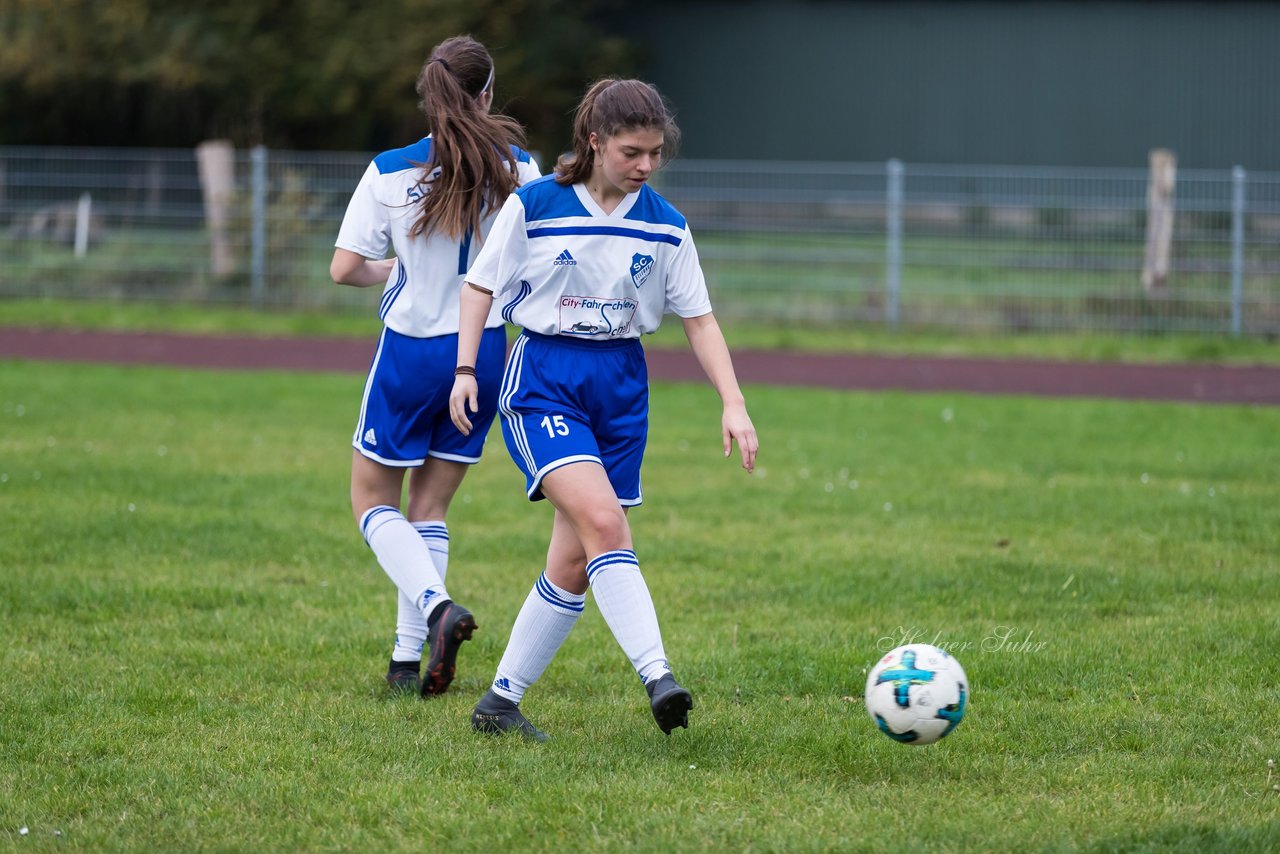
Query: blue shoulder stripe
{"type": "Point", "coordinates": [651, 207]}
{"type": "Point", "coordinates": [543, 199]}
{"type": "Point", "coordinates": [400, 159]}
{"type": "Point", "coordinates": [409, 157]}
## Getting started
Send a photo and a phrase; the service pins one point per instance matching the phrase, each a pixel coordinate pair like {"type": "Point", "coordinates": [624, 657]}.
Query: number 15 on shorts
{"type": "Point", "coordinates": [554, 425]}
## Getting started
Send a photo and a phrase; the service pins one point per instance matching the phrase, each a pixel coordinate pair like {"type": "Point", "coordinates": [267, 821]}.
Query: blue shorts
{"type": "Point", "coordinates": [566, 401]}
{"type": "Point", "coordinates": [404, 417]}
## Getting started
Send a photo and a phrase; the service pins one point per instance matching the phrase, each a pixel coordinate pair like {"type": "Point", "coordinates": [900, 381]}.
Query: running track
{"type": "Point", "coordinates": [1256, 384]}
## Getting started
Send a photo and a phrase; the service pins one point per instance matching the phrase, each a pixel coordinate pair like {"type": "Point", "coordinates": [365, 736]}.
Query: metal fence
{"type": "Point", "coordinates": [975, 247]}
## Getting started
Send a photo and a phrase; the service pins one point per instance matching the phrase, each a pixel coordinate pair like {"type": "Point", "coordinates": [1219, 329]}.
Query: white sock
{"type": "Point", "coordinates": [411, 631]}
{"type": "Point", "coordinates": [436, 536]}
{"type": "Point", "coordinates": [545, 620]}
{"type": "Point", "coordinates": [624, 602]}
{"type": "Point", "coordinates": [404, 557]}
{"type": "Point", "coordinates": [411, 628]}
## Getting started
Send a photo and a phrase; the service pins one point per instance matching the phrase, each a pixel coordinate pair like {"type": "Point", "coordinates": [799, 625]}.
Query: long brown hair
{"type": "Point", "coordinates": [612, 105]}
{"type": "Point", "coordinates": [471, 146]}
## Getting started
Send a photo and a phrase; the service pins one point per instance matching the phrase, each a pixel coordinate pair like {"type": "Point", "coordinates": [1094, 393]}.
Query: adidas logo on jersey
{"type": "Point", "coordinates": [564, 259]}
{"type": "Point", "coordinates": [369, 438]}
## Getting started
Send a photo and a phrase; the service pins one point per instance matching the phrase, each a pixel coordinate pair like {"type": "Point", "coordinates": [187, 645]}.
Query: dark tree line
{"type": "Point", "coordinates": [305, 74]}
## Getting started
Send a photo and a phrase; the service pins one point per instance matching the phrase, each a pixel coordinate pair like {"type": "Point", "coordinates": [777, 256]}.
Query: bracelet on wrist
{"type": "Point", "coordinates": [464, 371]}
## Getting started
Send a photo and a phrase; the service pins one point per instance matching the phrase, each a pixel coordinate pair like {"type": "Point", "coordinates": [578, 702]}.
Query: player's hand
{"type": "Point", "coordinates": [464, 398]}
{"type": "Point", "coordinates": [736, 426]}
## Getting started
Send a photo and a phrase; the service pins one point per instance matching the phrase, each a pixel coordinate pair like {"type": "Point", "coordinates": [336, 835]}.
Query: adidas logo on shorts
{"type": "Point", "coordinates": [369, 438]}
{"type": "Point", "coordinates": [564, 259]}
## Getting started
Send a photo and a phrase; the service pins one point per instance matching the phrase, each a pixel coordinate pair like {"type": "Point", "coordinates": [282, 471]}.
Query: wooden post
{"type": "Point", "coordinates": [1155, 265]}
{"type": "Point", "coordinates": [216, 160]}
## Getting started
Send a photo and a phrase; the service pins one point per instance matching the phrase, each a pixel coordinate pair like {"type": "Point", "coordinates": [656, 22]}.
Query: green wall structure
{"type": "Point", "coordinates": [1020, 83]}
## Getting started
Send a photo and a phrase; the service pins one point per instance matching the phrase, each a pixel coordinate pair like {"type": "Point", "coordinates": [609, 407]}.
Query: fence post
{"type": "Point", "coordinates": [258, 231]}
{"type": "Point", "coordinates": [1237, 248]}
{"type": "Point", "coordinates": [1160, 190]}
{"type": "Point", "coordinates": [84, 210]}
{"type": "Point", "coordinates": [217, 165]}
{"type": "Point", "coordinates": [893, 243]}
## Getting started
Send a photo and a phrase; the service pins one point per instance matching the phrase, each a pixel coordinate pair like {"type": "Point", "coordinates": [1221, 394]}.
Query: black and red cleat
{"type": "Point", "coordinates": [454, 626]}
{"type": "Point", "coordinates": [402, 678]}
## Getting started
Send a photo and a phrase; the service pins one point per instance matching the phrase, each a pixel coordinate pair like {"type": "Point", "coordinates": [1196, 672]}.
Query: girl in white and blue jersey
{"type": "Point", "coordinates": [432, 203]}
{"type": "Point", "coordinates": [587, 261]}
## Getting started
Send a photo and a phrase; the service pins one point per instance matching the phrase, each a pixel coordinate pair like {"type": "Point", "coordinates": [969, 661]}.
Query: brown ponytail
{"type": "Point", "coordinates": [610, 106]}
{"type": "Point", "coordinates": [470, 146]}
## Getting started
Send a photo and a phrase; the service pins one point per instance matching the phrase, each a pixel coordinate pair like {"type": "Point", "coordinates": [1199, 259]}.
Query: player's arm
{"type": "Point", "coordinates": [712, 353]}
{"type": "Point", "coordinates": [349, 268]}
{"type": "Point", "coordinates": [363, 238]}
{"type": "Point", "coordinates": [473, 310]}
{"type": "Point", "coordinates": [499, 263]}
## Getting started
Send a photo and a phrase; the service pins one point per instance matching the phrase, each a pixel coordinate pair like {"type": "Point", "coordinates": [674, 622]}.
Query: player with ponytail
{"type": "Point", "coordinates": [431, 204]}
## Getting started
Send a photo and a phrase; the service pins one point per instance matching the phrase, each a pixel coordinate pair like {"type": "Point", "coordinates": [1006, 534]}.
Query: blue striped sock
{"type": "Point", "coordinates": [436, 536]}
{"type": "Point", "coordinates": [624, 602]}
{"type": "Point", "coordinates": [404, 557]}
{"type": "Point", "coordinates": [548, 615]}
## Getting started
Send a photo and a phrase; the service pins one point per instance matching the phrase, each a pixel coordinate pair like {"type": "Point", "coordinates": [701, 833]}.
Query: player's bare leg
{"type": "Point", "coordinates": [432, 486]}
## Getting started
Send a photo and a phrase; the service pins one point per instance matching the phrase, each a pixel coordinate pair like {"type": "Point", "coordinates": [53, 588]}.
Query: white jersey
{"type": "Point", "coordinates": [559, 265]}
{"type": "Point", "coordinates": [421, 295]}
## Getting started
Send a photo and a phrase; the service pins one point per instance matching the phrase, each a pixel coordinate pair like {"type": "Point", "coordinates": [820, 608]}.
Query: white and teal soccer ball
{"type": "Point", "coordinates": [917, 693]}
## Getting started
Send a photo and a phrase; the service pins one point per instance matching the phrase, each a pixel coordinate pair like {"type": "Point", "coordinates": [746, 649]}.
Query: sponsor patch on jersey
{"type": "Point", "coordinates": [596, 315]}
{"type": "Point", "coordinates": [641, 267]}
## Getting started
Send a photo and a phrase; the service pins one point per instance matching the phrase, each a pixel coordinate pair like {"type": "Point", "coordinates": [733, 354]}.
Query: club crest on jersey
{"type": "Point", "coordinates": [641, 267]}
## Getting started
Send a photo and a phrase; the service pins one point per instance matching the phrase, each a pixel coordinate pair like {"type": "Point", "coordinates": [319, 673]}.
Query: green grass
{"type": "Point", "coordinates": [196, 635]}
{"type": "Point", "coordinates": [189, 317]}
{"type": "Point", "coordinates": [856, 338]}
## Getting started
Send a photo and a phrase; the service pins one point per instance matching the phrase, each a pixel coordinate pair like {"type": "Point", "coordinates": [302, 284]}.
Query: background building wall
{"type": "Point", "coordinates": [1076, 84]}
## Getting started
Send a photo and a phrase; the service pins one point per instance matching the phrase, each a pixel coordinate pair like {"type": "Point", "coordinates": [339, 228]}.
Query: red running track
{"type": "Point", "coordinates": [1256, 384]}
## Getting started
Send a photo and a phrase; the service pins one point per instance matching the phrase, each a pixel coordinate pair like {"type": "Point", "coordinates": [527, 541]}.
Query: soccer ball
{"type": "Point", "coordinates": [916, 694]}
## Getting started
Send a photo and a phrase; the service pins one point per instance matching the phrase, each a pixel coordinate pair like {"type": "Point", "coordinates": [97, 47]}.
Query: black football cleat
{"type": "Point", "coordinates": [404, 679]}
{"type": "Point", "coordinates": [454, 626]}
{"type": "Point", "coordinates": [670, 703]}
{"type": "Point", "coordinates": [496, 715]}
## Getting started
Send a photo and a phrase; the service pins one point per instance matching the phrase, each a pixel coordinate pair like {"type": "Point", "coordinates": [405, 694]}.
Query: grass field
{"type": "Point", "coordinates": [196, 635]}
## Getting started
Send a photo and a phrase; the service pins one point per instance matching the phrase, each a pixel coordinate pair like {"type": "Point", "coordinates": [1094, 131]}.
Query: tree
{"type": "Point", "coordinates": [307, 74]}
